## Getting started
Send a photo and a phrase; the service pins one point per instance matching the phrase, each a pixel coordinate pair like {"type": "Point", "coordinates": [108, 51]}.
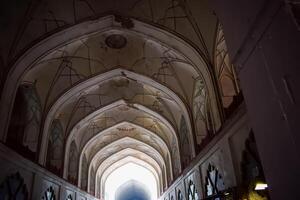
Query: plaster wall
{"type": "Point", "coordinates": [36, 178]}
{"type": "Point", "coordinates": [224, 153]}
{"type": "Point", "coordinates": [263, 40]}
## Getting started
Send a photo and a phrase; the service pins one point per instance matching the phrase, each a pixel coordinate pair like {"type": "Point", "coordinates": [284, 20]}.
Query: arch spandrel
{"type": "Point", "coordinates": [225, 71]}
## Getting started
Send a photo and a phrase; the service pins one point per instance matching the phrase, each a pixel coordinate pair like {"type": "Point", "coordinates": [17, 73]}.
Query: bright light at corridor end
{"type": "Point", "coordinates": [128, 172]}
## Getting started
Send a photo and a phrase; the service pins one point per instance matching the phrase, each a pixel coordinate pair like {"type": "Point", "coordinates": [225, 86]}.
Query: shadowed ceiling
{"type": "Point", "coordinates": [108, 83]}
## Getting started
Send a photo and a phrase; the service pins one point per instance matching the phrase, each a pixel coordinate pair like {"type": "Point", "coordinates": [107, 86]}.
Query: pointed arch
{"type": "Point", "coordinates": [131, 155]}
{"type": "Point", "coordinates": [93, 139]}
{"type": "Point", "coordinates": [56, 40]}
{"type": "Point", "coordinates": [106, 108]}
{"type": "Point", "coordinates": [123, 141]}
{"type": "Point", "coordinates": [105, 77]}
{"type": "Point", "coordinates": [124, 161]}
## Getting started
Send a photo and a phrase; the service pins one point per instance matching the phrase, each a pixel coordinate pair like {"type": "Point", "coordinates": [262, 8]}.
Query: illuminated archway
{"type": "Point", "coordinates": [128, 172]}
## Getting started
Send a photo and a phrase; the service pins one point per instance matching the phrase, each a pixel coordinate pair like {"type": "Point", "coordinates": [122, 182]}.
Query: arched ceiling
{"type": "Point", "coordinates": [132, 143]}
{"type": "Point", "coordinates": [117, 113]}
{"type": "Point", "coordinates": [125, 129]}
{"type": "Point", "coordinates": [116, 89]}
{"type": "Point", "coordinates": [92, 55]}
{"type": "Point", "coordinates": [120, 91]}
{"type": "Point", "coordinates": [149, 138]}
{"type": "Point", "coordinates": [128, 156]}
{"type": "Point", "coordinates": [100, 145]}
{"type": "Point", "coordinates": [192, 19]}
{"type": "Point", "coordinates": [84, 94]}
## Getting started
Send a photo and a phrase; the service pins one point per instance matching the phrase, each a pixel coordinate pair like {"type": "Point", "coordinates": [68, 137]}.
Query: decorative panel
{"type": "Point", "coordinates": [55, 148]}
{"type": "Point", "coordinates": [180, 195]}
{"type": "Point", "coordinates": [73, 163]}
{"type": "Point", "coordinates": [84, 173]}
{"type": "Point", "coordinates": [201, 111]}
{"type": "Point", "coordinates": [25, 121]}
{"type": "Point", "coordinates": [185, 153]}
{"type": "Point", "coordinates": [214, 181]}
{"type": "Point", "coordinates": [13, 187]}
{"type": "Point", "coordinates": [49, 194]}
{"type": "Point", "coordinates": [192, 191]}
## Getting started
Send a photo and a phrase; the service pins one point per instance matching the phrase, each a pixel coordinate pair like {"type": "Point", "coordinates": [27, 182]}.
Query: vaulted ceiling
{"type": "Point", "coordinates": [118, 89]}
{"type": "Point", "coordinates": [113, 83]}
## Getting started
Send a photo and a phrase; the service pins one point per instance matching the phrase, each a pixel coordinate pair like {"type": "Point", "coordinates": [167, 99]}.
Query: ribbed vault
{"type": "Point", "coordinates": [126, 143]}
{"type": "Point", "coordinates": [149, 138]}
{"type": "Point", "coordinates": [119, 147]}
{"type": "Point", "coordinates": [109, 95]}
{"type": "Point", "coordinates": [123, 157]}
{"type": "Point", "coordinates": [120, 120]}
{"type": "Point", "coordinates": [99, 145]}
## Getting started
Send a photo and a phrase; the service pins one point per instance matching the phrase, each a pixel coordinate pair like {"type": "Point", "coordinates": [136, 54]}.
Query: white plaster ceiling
{"type": "Point", "coordinates": [108, 99]}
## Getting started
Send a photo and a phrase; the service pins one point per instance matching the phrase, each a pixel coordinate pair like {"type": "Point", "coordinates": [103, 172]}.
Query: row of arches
{"type": "Point", "coordinates": [86, 104]}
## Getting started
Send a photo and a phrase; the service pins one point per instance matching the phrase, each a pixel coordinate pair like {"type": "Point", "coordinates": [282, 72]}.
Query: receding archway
{"type": "Point", "coordinates": [123, 144]}
{"type": "Point", "coordinates": [132, 190]}
{"type": "Point", "coordinates": [154, 34]}
{"type": "Point", "coordinates": [57, 40]}
{"type": "Point", "coordinates": [130, 156]}
{"type": "Point", "coordinates": [130, 172]}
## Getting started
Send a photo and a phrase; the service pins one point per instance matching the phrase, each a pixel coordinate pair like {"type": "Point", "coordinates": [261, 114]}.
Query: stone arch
{"type": "Point", "coordinates": [108, 169]}
{"type": "Point", "coordinates": [106, 76]}
{"type": "Point", "coordinates": [128, 139]}
{"type": "Point", "coordinates": [121, 102]}
{"type": "Point", "coordinates": [165, 146]}
{"type": "Point", "coordinates": [76, 31]}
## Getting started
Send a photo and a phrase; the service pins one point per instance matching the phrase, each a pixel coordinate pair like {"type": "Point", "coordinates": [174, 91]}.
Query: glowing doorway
{"type": "Point", "coordinates": [130, 172]}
